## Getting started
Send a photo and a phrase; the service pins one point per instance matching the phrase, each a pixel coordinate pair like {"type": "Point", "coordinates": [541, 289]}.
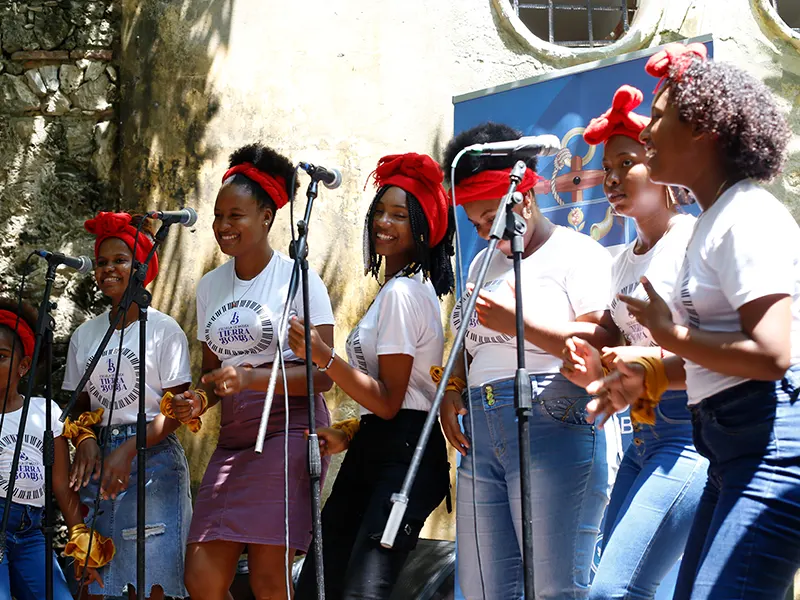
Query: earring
{"type": "Point", "coordinates": [527, 213]}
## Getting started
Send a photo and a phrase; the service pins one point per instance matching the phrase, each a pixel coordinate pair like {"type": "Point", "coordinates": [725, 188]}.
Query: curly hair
{"type": "Point", "coordinates": [737, 109]}
{"type": "Point", "coordinates": [435, 263]}
{"type": "Point", "coordinates": [27, 313]}
{"type": "Point", "coordinates": [469, 165]}
{"type": "Point", "coordinates": [267, 160]}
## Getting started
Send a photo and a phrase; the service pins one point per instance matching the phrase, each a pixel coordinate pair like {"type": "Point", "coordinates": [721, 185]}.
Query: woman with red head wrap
{"type": "Point", "coordinates": [661, 477]}
{"type": "Point", "coordinates": [240, 502]}
{"type": "Point", "coordinates": [112, 394]}
{"type": "Point", "coordinates": [21, 572]}
{"type": "Point", "coordinates": [736, 332]}
{"type": "Point", "coordinates": [390, 353]}
{"type": "Point", "coordinates": [566, 279]}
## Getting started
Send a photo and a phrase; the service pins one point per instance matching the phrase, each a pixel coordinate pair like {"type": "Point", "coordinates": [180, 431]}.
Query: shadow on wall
{"type": "Point", "coordinates": [166, 104]}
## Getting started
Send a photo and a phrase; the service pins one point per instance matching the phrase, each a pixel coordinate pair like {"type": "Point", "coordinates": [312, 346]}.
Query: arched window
{"type": "Point", "coordinates": [579, 23]}
{"type": "Point", "coordinates": [789, 12]}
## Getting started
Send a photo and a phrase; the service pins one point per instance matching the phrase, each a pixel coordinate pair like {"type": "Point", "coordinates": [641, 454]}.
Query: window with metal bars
{"type": "Point", "coordinates": [578, 23]}
{"type": "Point", "coordinates": [789, 12]}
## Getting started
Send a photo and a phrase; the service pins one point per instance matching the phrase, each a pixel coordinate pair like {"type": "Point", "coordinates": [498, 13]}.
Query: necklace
{"type": "Point", "coordinates": [252, 281]}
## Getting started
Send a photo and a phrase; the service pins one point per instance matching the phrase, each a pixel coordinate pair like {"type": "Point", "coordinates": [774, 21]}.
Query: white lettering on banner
{"type": "Point", "coordinates": [241, 327]}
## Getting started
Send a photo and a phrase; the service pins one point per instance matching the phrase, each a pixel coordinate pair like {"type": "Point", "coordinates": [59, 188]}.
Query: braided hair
{"type": "Point", "coordinates": [267, 160]}
{"type": "Point", "coordinates": [434, 263]}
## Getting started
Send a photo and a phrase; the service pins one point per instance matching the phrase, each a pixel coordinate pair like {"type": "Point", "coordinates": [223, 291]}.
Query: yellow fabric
{"type": "Point", "coordinates": [81, 428]}
{"type": "Point", "coordinates": [454, 384]}
{"type": "Point", "coordinates": [194, 424]}
{"type": "Point", "coordinates": [102, 547]}
{"type": "Point", "coordinates": [350, 427]}
{"type": "Point", "coordinates": [655, 384]}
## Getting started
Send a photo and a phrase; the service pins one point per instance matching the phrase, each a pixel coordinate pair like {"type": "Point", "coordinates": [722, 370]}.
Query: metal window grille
{"type": "Point", "coordinates": [784, 7]}
{"type": "Point", "coordinates": [554, 10]}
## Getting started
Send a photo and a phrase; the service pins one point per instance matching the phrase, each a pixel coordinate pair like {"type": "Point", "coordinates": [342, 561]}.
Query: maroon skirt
{"type": "Point", "coordinates": [241, 498]}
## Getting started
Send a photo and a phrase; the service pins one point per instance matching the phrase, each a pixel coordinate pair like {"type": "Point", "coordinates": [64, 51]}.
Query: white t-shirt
{"type": "Point", "coordinates": [238, 320]}
{"type": "Point", "coordinates": [166, 366]}
{"type": "Point", "coordinates": [568, 276]}
{"type": "Point", "coordinates": [746, 246]}
{"type": "Point", "coordinates": [660, 264]}
{"type": "Point", "coordinates": [29, 486]}
{"type": "Point", "coordinates": [405, 319]}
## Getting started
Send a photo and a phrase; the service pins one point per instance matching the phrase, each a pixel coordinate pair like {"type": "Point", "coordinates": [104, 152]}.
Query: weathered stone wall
{"type": "Point", "coordinates": [58, 139]}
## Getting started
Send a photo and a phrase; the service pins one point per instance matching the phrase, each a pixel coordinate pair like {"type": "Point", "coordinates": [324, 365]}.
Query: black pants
{"type": "Point", "coordinates": [356, 565]}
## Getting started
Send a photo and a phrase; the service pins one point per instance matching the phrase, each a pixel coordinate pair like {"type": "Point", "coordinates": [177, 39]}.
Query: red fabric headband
{"type": "Point", "coordinates": [420, 175]}
{"type": "Point", "coordinates": [118, 225]}
{"type": "Point", "coordinates": [274, 185]}
{"type": "Point", "coordinates": [619, 119]}
{"type": "Point", "coordinates": [491, 185]}
{"type": "Point", "coordinates": [24, 331]}
{"type": "Point", "coordinates": [677, 55]}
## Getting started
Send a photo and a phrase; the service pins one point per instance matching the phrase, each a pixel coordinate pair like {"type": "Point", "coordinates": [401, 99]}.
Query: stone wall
{"type": "Point", "coordinates": [58, 138]}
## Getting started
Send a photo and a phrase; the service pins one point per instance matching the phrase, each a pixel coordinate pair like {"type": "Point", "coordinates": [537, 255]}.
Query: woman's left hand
{"type": "Point", "coordinates": [117, 471]}
{"type": "Point", "coordinates": [497, 310]}
{"type": "Point", "coordinates": [229, 380]}
{"type": "Point", "coordinates": [320, 351]}
{"type": "Point", "coordinates": [654, 313]}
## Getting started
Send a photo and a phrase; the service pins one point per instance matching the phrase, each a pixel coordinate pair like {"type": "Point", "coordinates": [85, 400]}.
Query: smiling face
{"type": "Point", "coordinates": [113, 268]}
{"type": "Point", "coordinates": [391, 226]}
{"type": "Point", "coordinates": [627, 182]}
{"type": "Point", "coordinates": [673, 153]}
{"type": "Point", "coordinates": [240, 224]}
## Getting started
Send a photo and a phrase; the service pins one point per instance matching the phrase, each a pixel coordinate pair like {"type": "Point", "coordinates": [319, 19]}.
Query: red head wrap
{"type": "Point", "coordinates": [420, 175]}
{"type": "Point", "coordinates": [619, 119]}
{"type": "Point", "coordinates": [118, 225]}
{"type": "Point", "coordinates": [491, 185]}
{"type": "Point", "coordinates": [24, 331]}
{"type": "Point", "coordinates": [676, 54]}
{"type": "Point", "coordinates": [274, 185]}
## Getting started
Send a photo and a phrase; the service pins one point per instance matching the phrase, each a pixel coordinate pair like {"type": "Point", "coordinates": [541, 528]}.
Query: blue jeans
{"type": "Point", "coordinates": [570, 482]}
{"type": "Point", "coordinates": [745, 539]}
{"type": "Point", "coordinates": [653, 503]}
{"type": "Point", "coordinates": [22, 569]}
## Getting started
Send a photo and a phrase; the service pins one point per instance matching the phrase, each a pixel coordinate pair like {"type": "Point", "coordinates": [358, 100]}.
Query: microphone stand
{"type": "Point", "coordinates": [511, 226]}
{"type": "Point", "coordinates": [299, 252]}
{"type": "Point", "coordinates": [136, 294]}
{"type": "Point", "coordinates": [44, 335]}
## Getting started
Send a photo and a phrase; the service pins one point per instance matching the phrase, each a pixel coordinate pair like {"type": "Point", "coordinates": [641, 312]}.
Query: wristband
{"type": "Point", "coordinates": [102, 547]}
{"type": "Point", "coordinates": [330, 362]}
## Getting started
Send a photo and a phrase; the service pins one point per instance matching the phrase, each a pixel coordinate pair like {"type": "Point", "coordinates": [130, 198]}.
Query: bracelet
{"type": "Point", "coordinates": [454, 384]}
{"type": "Point", "coordinates": [330, 362]}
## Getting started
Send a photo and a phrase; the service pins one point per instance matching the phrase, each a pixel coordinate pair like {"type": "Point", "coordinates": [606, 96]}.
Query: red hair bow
{"type": "Point", "coordinates": [420, 175]}
{"type": "Point", "coordinates": [274, 185]}
{"type": "Point", "coordinates": [118, 225]}
{"type": "Point", "coordinates": [24, 331]}
{"type": "Point", "coordinates": [677, 55]}
{"type": "Point", "coordinates": [619, 119]}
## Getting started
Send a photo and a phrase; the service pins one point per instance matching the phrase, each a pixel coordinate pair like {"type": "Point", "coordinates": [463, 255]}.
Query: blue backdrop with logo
{"type": "Point", "coordinates": [562, 103]}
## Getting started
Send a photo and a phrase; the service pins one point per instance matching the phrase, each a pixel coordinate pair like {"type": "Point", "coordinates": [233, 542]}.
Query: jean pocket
{"type": "Point", "coordinates": [570, 412]}
{"type": "Point", "coordinates": [749, 414]}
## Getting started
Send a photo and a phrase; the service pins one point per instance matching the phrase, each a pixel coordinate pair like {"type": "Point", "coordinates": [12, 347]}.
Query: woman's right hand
{"type": "Point", "coordinates": [86, 463]}
{"type": "Point", "coordinates": [616, 391]}
{"type": "Point", "coordinates": [452, 406]}
{"type": "Point", "coordinates": [331, 441]}
{"type": "Point", "coordinates": [581, 362]}
{"type": "Point", "coordinates": [186, 406]}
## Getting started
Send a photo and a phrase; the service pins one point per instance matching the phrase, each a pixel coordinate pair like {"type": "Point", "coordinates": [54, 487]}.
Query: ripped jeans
{"type": "Point", "coordinates": [570, 486]}
{"type": "Point", "coordinates": [168, 507]}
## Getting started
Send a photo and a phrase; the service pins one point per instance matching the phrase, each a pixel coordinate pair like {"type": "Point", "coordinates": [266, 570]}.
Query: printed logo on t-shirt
{"type": "Point", "coordinates": [101, 384]}
{"type": "Point", "coordinates": [355, 353]}
{"type": "Point", "coordinates": [241, 327]}
{"type": "Point", "coordinates": [29, 485]}
{"type": "Point", "coordinates": [500, 338]}
{"type": "Point", "coordinates": [634, 332]}
{"type": "Point", "coordinates": [688, 311]}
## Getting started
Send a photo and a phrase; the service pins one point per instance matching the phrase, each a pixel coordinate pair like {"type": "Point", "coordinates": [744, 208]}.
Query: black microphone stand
{"type": "Point", "coordinates": [299, 252]}
{"type": "Point", "coordinates": [510, 226]}
{"type": "Point", "coordinates": [136, 294]}
{"type": "Point", "coordinates": [44, 335]}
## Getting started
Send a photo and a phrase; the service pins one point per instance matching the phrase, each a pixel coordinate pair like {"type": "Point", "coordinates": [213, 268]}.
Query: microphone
{"type": "Point", "coordinates": [82, 264]}
{"type": "Point", "coordinates": [330, 178]}
{"type": "Point", "coordinates": [185, 216]}
{"type": "Point", "coordinates": [528, 146]}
